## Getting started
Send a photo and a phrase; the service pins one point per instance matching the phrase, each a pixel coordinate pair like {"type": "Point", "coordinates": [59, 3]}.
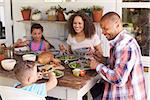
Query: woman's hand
{"type": "Point", "coordinates": [62, 48]}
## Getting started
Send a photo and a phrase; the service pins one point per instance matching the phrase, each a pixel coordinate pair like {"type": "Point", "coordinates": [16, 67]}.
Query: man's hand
{"type": "Point", "coordinates": [93, 64]}
{"type": "Point", "coordinates": [98, 56]}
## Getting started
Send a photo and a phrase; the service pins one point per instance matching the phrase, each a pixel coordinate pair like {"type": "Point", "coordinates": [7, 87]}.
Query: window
{"type": "Point", "coordinates": [136, 18]}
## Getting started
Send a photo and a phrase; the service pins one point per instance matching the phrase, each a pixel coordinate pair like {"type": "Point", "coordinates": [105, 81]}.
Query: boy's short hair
{"type": "Point", "coordinates": [22, 69]}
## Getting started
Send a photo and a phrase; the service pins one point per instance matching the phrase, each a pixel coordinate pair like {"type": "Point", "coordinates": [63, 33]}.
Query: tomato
{"type": "Point", "coordinates": [82, 72]}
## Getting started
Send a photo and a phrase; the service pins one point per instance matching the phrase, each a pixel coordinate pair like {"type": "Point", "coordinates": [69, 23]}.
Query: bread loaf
{"type": "Point", "coordinates": [45, 57]}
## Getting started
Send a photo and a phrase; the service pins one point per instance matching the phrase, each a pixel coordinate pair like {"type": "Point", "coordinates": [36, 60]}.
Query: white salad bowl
{"type": "Point", "coordinates": [8, 64]}
{"type": "Point", "coordinates": [29, 57]}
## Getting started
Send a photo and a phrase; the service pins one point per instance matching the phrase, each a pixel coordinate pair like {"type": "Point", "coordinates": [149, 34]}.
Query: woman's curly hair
{"type": "Point", "coordinates": [89, 28]}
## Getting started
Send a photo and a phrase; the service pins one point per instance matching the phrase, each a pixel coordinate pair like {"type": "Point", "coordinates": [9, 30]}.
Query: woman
{"type": "Point", "coordinates": [81, 33]}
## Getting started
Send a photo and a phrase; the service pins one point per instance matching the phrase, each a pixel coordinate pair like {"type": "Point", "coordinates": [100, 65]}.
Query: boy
{"type": "Point", "coordinates": [26, 73]}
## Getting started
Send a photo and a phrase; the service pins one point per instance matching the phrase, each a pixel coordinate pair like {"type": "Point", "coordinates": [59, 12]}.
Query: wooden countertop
{"type": "Point", "coordinates": [67, 81]}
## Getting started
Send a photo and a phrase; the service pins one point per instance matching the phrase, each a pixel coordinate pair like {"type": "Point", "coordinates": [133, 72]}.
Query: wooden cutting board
{"type": "Point", "coordinates": [75, 82]}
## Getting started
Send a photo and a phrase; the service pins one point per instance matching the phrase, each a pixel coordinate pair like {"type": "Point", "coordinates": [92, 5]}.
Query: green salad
{"type": "Point", "coordinates": [58, 73]}
{"type": "Point", "coordinates": [66, 57]}
{"type": "Point", "coordinates": [74, 65]}
{"type": "Point", "coordinates": [79, 64]}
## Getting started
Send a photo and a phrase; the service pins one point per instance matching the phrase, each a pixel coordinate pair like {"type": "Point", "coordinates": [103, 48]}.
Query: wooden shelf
{"type": "Point", "coordinates": [46, 21]}
{"type": "Point", "coordinates": [42, 21]}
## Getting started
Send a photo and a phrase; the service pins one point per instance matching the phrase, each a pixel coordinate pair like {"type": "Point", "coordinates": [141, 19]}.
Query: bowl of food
{"type": "Point", "coordinates": [80, 64]}
{"type": "Point", "coordinates": [29, 57]}
{"type": "Point", "coordinates": [74, 64]}
{"type": "Point", "coordinates": [81, 51]}
{"type": "Point", "coordinates": [8, 64]}
{"type": "Point", "coordinates": [67, 57]}
{"type": "Point", "coordinates": [21, 50]}
{"type": "Point", "coordinates": [45, 69]}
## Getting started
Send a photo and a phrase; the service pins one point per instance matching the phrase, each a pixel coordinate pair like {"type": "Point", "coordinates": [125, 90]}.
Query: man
{"type": "Point", "coordinates": [123, 70]}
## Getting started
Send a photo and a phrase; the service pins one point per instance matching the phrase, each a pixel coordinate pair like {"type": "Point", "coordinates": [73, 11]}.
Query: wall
{"type": "Point", "coordinates": [53, 29]}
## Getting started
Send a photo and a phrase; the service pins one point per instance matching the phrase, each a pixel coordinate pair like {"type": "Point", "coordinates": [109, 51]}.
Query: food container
{"type": "Point", "coordinates": [76, 72]}
{"type": "Point", "coordinates": [8, 53]}
{"type": "Point", "coordinates": [29, 57]}
{"type": "Point", "coordinates": [81, 51]}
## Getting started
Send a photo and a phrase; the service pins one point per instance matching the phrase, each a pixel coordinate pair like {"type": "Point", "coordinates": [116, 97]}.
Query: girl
{"type": "Point", "coordinates": [38, 42]}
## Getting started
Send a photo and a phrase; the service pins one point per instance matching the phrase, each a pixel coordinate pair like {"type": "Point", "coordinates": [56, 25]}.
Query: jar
{"type": "Point", "coordinates": [8, 53]}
